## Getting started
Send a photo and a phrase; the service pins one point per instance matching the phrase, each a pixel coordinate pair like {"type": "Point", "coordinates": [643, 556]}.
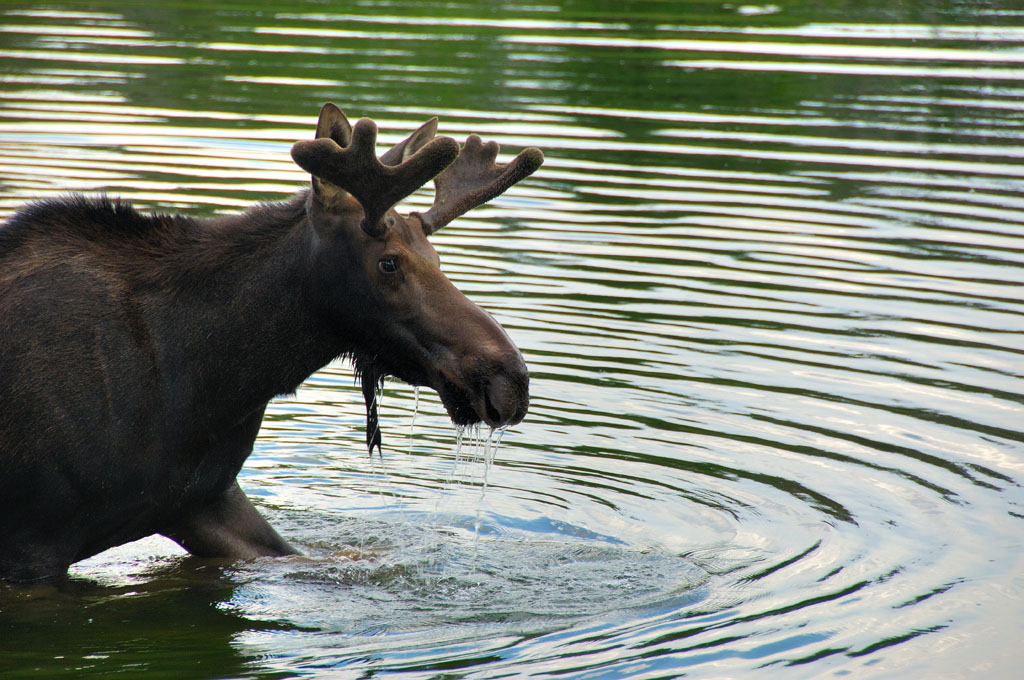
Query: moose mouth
{"type": "Point", "coordinates": [498, 400]}
{"type": "Point", "coordinates": [498, 397]}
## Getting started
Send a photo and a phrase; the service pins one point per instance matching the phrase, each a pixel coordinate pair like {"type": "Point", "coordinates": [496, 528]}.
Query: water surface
{"type": "Point", "coordinates": [768, 284]}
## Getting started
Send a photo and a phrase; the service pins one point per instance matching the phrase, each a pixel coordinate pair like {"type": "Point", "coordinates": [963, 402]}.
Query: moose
{"type": "Point", "coordinates": [138, 352]}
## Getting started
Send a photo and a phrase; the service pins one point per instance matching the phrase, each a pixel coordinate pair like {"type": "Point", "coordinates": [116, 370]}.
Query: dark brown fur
{"type": "Point", "coordinates": [138, 353]}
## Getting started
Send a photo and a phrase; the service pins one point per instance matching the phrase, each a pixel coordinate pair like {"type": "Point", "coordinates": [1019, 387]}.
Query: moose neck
{"type": "Point", "coordinates": [246, 330]}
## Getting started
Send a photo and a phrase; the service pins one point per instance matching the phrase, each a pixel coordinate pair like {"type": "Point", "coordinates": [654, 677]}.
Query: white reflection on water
{"type": "Point", "coordinates": [773, 332]}
{"type": "Point", "coordinates": [802, 49]}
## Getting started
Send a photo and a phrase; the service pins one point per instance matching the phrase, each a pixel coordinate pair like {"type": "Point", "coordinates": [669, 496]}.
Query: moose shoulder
{"type": "Point", "coordinates": [138, 353]}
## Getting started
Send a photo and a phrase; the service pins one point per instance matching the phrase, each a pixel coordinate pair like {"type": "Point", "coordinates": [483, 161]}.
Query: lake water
{"type": "Point", "coordinates": [768, 284]}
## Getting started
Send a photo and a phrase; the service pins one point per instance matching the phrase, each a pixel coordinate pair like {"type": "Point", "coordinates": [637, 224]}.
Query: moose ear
{"type": "Point", "coordinates": [333, 199]}
{"type": "Point", "coordinates": [411, 144]}
{"type": "Point", "coordinates": [333, 124]}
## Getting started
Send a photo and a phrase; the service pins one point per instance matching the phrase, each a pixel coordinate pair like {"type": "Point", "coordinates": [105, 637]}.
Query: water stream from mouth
{"type": "Point", "coordinates": [412, 417]}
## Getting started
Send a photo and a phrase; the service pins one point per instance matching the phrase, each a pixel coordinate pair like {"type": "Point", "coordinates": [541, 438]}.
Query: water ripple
{"type": "Point", "coordinates": [767, 284]}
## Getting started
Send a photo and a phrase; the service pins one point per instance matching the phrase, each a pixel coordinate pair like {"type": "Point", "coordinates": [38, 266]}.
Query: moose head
{"type": "Point", "coordinates": [382, 281]}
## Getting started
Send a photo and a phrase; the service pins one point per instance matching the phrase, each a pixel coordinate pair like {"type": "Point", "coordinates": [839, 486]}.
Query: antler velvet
{"type": "Point", "coordinates": [356, 169]}
{"type": "Point", "coordinates": [345, 157]}
{"type": "Point", "coordinates": [473, 179]}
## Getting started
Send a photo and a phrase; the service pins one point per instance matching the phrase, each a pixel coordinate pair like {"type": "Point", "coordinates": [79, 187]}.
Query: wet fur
{"type": "Point", "coordinates": [128, 407]}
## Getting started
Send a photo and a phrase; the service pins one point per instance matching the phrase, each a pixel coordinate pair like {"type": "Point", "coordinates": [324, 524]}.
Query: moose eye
{"type": "Point", "coordinates": [387, 265]}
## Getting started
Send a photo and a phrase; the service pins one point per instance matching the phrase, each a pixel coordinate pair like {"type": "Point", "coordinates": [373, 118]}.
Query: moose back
{"type": "Point", "coordinates": [138, 352]}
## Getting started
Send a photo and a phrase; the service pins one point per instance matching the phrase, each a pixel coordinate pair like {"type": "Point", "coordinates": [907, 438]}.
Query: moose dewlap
{"type": "Point", "coordinates": [138, 352]}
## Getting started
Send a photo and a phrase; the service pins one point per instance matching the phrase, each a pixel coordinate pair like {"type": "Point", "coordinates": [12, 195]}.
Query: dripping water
{"type": "Point", "coordinates": [773, 330]}
{"type": "Point", "coordinates": [474, 454]}
{"type": "Point", "coordinates": [381, 479]}
{"type": "Point", "coordinates": [412, 418]}
{"type": "Point", "coordinates": [490, 451]}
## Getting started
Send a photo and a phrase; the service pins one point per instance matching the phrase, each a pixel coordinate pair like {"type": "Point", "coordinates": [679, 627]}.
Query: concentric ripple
{"type": "Point", "coordinates": [767, 282]}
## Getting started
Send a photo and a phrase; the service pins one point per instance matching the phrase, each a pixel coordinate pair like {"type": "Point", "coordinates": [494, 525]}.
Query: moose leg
{"type": "Point", "coordinates": [229, 527]}
{"type": "Point", "coordinates": [32, 564]}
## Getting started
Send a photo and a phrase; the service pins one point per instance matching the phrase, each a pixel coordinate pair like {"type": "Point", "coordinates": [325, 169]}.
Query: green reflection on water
{"type": "Point", "coordinates": [664, 282]}
{"type": "Point", "coordinates": [171, 626]}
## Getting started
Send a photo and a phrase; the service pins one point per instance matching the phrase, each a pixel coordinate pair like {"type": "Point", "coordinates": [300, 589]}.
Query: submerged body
{"type": "Point", "coordinates": [138, 353]}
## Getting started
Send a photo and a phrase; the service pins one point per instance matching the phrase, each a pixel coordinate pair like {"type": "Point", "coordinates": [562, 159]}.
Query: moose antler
{"type": "Point", "coordinates": [473, 179]}
{"type": "Point", "coordinates": [356, 169]}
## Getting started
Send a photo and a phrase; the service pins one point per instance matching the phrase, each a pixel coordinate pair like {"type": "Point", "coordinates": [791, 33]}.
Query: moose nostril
{"type": "Point", "coordinates": [493, 415]}
{"type": "Point", "coordinates": [506, 398]}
